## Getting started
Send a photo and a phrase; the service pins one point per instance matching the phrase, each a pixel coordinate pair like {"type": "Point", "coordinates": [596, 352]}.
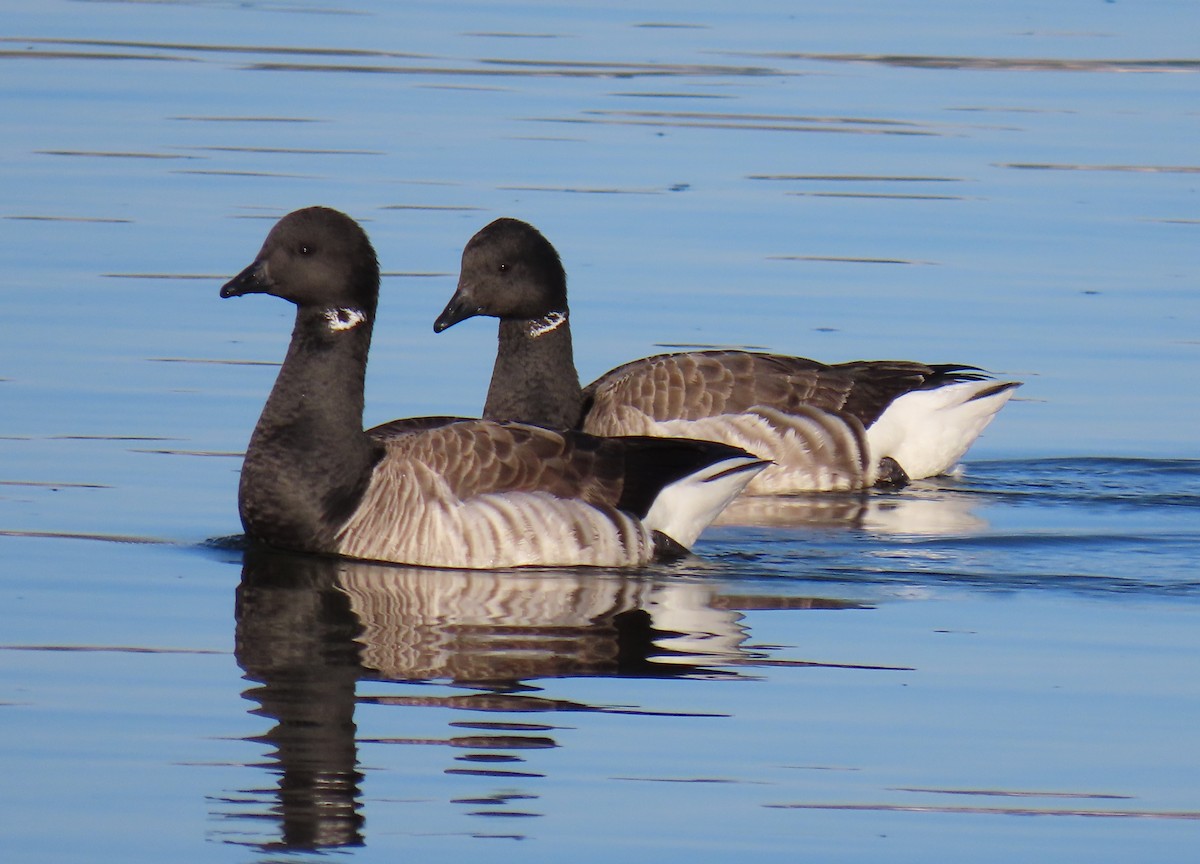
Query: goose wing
{"type": "Point", "coordinates": [476, 457]}
{"type": "Point", "coordinates": [697, 384]}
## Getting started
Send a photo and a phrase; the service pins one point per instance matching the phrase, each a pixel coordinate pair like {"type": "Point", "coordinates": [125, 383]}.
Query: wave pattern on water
{"type": "Point", "coordinates": [1091, 481]}
{"type": "Point", "coordinates": [1020, 64]}
{"type": "Point", "coordinates": [1099, 526]}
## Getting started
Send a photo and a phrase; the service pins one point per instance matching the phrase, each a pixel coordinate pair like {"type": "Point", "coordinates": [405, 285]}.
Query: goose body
{"type": "Point", "coordinates": [824, 427]}
{"type": "Point", "coordinates": [441, 492]}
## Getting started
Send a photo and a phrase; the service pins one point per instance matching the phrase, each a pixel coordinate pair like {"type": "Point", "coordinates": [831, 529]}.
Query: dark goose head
{"type": "Point", "coordinates": [509, 271]}
{"type": "Point", "coordinates": [314, 257]}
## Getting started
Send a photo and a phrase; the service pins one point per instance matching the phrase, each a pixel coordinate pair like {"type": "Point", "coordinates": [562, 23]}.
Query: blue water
{"type": "Point", "coordinates": [996, 666]}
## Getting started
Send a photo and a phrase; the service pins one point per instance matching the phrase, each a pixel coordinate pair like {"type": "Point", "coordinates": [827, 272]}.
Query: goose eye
{"type": "Point", "coordinates": [503, 267]}
{"type": "Point", "coordinates": [305, 249]}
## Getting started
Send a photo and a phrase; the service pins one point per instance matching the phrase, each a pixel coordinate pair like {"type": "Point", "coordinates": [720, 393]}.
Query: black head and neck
{"type": "Point", "coordinates": [511, 272]}
{"type": "Point", "coordinates": [309, 460]}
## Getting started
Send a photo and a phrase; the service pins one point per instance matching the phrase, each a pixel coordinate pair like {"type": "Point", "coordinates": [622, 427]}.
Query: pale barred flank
{"type": "Point", "coordinates": [410, 515]}
{"type": "Point", "coordinates": [812, 450]}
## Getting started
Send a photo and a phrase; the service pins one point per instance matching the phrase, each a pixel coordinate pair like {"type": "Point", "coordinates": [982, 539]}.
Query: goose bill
{"type": "Point", "coordinates": [252, 280]}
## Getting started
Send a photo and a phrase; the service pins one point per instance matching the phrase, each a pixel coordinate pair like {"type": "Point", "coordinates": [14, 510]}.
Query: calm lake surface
{"type": "Point", "coordinates": [999, 666]}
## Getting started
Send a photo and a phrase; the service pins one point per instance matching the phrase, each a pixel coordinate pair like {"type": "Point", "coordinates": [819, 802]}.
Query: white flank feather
{"type": "Point", "coordinates": [686, 507]}
{"type": "Point", "coordinates": [928, 431]}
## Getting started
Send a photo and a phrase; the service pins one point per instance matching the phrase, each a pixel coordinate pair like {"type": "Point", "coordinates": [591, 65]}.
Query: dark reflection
{"type": "Point", "coordinates": [296, 637]}
{"type": "Point", "coordinates": [308, 629]}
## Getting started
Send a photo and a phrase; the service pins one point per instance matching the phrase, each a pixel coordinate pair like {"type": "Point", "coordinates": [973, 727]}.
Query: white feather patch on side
{"type": "Point", "coordinates": [686, 507]}
{"type": "Point", "coordinates": [928, 431]}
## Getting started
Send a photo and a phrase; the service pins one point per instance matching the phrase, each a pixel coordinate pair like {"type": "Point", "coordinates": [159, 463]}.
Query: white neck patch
{"type": "Point", "coordinates": [344, 318]}
{"type": "Point", "coordinates": [542, 326]}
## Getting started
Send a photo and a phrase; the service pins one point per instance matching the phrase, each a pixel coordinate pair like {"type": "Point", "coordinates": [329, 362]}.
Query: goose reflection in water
{"type": "Point", "coordinates": [309, 628]}
{"type": "Point", "coordinates": [941, 506]}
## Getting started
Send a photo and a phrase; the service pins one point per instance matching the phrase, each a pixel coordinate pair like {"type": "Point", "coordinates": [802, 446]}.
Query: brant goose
{"type": "Point", "coordinates": [824, 427]}
{"type": "Point", "coordinates": [440, 491]}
